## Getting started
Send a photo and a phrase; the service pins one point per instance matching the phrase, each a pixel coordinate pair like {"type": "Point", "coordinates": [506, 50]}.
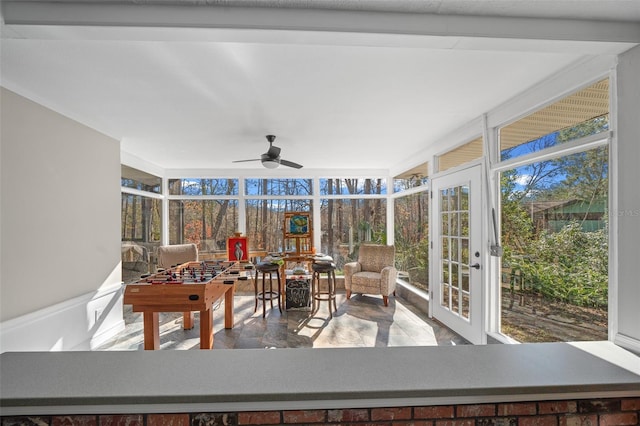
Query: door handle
{"type": "Point", "coordinates": [476, 266]}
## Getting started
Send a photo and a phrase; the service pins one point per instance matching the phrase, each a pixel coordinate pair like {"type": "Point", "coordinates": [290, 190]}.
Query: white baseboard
{"type": "Point", "coordinates": [81, 323]}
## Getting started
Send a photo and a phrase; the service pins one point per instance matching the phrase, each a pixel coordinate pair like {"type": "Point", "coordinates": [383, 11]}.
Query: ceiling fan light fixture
{"type": "Point", "coordinates": [270, 163]}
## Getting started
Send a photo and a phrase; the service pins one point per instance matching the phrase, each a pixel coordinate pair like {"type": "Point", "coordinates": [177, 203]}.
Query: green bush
{"type": "Point", "coordinates": [569, 266]}
{"type": "Point", "coordinates": [414, 259]}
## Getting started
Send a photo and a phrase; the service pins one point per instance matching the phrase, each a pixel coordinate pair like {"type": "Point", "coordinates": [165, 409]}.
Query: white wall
{"type": "Point", "coordinates": [627, 211]}
{"type": "Point", "coordinates": [60, 225]}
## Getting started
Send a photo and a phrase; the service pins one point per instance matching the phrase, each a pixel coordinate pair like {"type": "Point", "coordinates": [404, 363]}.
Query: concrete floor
{"type": "Point", "coordinates": [362, 321]}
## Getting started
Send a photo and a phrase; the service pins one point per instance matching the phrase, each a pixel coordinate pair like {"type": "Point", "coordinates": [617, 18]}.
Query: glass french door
{"type": "Point", "coordinates": [457, 252]}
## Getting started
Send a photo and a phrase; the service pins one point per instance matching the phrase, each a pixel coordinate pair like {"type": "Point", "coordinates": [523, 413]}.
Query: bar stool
{"type": "Point", "coordinates": [264, 269]}
{"type": "Point", "coordinates": [328, 295]}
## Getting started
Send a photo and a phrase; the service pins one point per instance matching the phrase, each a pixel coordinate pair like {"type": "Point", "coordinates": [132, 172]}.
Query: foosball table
{"type": "Point", "coordinates": [190, 287]}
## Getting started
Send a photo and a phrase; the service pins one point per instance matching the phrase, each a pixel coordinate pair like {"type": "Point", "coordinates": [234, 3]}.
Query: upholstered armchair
{"type": "Point", "coordinates": [176, 254]}
{"type": "Point", "coordinates": [373, 273]}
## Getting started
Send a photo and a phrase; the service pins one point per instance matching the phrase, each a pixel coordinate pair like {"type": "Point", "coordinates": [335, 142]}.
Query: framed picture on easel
{"type": "Point", "coordinates": [298, 233]}
{"type": "Point", "coordinates": [297, 224]}
{"type": "Point", "coordinates": [237, 249]}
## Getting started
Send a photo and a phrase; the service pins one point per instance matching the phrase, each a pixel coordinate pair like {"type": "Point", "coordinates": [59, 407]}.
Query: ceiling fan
{"type": "Point", "coordinates": [271, 159]}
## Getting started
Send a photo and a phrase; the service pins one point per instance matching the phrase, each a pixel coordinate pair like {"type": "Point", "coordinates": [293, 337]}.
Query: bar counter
{"type": "Point", "coordinates": [33, 383]}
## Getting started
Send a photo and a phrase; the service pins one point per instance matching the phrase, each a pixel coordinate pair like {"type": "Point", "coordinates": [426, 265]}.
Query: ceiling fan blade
{"type": "Point", "coordinates": [273, 152]}
{"type": "Point", "coordinates": [290, 164]}
{"type": "Point", "coordinates": [244, 161]}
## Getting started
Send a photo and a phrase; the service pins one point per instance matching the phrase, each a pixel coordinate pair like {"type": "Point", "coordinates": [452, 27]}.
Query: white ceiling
{"type": "Point", "coordinates": [342, 84]}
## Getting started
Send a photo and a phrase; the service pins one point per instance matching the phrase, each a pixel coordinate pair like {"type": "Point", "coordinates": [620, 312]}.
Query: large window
{"type": "Point", "coordinates": [411, 226]}
{"type": "Point", "coordinates": [267, 201]}
{"type": "Point", "coordinates": [555, 237]}
{"type": "Point", "coordinates": [412, 238]}
{"type": "Point", "coordinates": [206, 223]}
{"type": "Point", "coordinates": [353, 211]}
{"type": "Point", "coordinates": [207, 211]}
{"type": "Point", "coordinates": [265, 221]}
{"type": "Point", "coordinates": [141, 218]}
{"type": "Point", "coordinates": [347, 223]}
{"type": "Point", "coordinates": [206, 214]}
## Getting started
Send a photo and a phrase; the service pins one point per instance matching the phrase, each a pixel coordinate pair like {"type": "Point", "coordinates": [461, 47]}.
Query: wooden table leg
{"type": "Point", "coordinates": [188, 320]}
{"type": "Point", "coordinates": [151, 330]}
{"type": "Point", "coordinates": [206, 329]}
{"type": "Point", "coordinates": [228, 306]}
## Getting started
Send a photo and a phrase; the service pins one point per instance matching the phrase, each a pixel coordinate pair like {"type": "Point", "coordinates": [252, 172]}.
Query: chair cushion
{"type": "Point", "coordinates": [177, 254]}
{"type": "Point", "coordinates": [366, 279]}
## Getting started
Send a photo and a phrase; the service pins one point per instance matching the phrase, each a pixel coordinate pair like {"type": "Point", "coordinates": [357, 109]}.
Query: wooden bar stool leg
{"type": "Point", "coordinates": [279, 291]}
{"type": "Point", "coordinates": [255, 292]}
{"type": "Point", "coordinates": [315, 289]}
{"type": "Point", "coordinates": [330, 293]}
{"type": "Point", "coordinates": [264, 301]}
{"type": "Point", "coordinates": [333, 275]}
{"type": "Point", "coordinates": [271, 289]}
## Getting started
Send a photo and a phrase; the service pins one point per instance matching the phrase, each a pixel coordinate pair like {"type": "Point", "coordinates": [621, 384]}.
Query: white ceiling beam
{"type": "Point", "coordinates": [254, 18]}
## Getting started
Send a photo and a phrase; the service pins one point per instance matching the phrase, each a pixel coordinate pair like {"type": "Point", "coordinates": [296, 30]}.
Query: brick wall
{"type": "Point", "coordinates": [587, 412]}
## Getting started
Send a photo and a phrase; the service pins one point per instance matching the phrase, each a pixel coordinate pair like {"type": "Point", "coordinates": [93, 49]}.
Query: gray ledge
{"type": "Point", "coordinates": [281, 379]}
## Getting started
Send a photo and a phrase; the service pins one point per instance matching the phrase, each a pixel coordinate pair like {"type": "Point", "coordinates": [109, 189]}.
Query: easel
{"type": "Point", "coordinates": [297, 232]}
